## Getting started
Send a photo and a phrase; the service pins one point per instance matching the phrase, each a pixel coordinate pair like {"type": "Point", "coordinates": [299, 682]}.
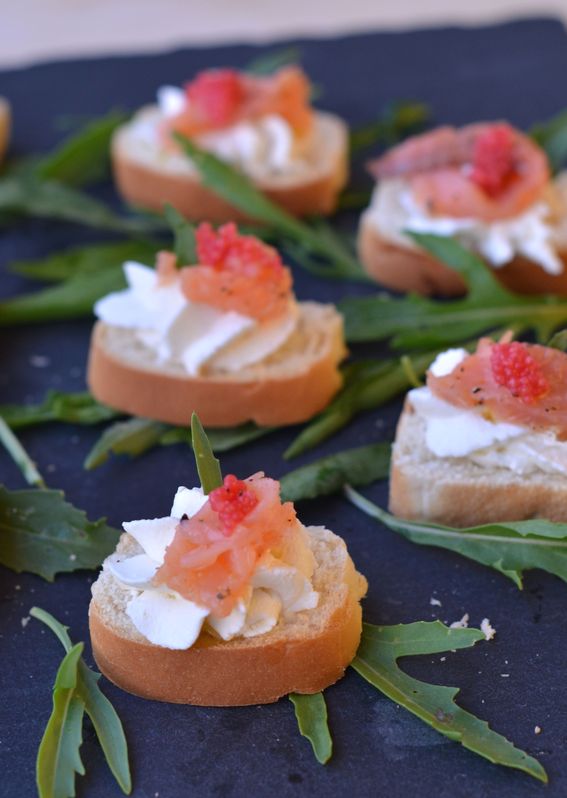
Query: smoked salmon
{"type": "Point", "coordinates": [486, 171]}
{"type": "Point", "coordinates": [214, 553]}
{"type": "Point", "coordinates": [510, 382]}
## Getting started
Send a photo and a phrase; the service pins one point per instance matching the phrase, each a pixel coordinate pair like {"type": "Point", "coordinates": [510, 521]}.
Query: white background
{"type": "Point", "coordinates": [35, 30]}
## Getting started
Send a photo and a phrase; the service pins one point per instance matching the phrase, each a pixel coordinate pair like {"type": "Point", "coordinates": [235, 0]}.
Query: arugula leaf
{"type": "Point", "coordinates": [71, 408]}
{"type": "Point", "coordinates": [376, 661]}
{"type": "Point", "coordinates": [367, 387]}
{"type": "Point", "coordinates": [58, 757]}
{"type": "Point", "coordinates": [552, 137]}
{"type": "Point", "coordinates": [415, 322]}
{"type": "Point", "coordinates": [132, 437]}
{"type": "Point", "coordinates": [105, 721]}
{"type": "Point", "coordinates": [396, 122]}
{"type": "Point", "coordinates": [222, 439]}
{"type": "Point", "coordinates": [234, 187]}
{"type": "Point", "coordinates": [20, 456]}
{"type": "Point", "coordinates": [311, 714]}
{"type": "Point", "coordinates": [42, 534]}
{"type": "Point", "coordinates": [86, 260]}
{"type": "Point", "coordinates": [84, 157]}
{"type": "Point", "coordinates": [184, 236]}
{"type": "Point", "coordinates": [510, 547]}
{"type": "Point", "coordinates": [273, 60]}
{"type": "Point", "coordinates": [208, 467]}
{"type": "Point", "coordinates": [558, 341]}
{"type": "Point", "coordinates": [359, 466]}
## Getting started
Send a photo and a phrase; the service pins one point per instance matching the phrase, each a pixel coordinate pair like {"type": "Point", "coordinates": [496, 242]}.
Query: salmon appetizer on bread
{"type": "Point", "coordinates": [227, 601]}
{"type": "Point", "coordinates": [485, 439]}
{"type": "Point", "coordinates": [264, 126]}
{"type": "Point", "coordinates": [489, 186]}
{"type": "Point", "coordinates": [225, 338]}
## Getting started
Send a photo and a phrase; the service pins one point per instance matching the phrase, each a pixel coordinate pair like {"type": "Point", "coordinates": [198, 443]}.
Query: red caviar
{"type": "Point", "coordinates": [216, 96]}
{"type": "Point", "coordinates": [233, 500]}
{"type": "Point", "coordinates": [238, 273]}
{"type": "Point", "coordinates": [515, 369]}
{"type": "Point", "coordinates": [493, 159]}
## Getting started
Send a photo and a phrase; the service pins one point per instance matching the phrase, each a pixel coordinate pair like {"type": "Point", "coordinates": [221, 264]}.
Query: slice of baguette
{"type": "Point", "coordinates": [304, 654]}
{"type": "Point", "coordinates": [457, 492]}
{"type": "Point", "coordinates": [5, 126]}
{"type": "Point", "coordinates": [408, 269]}
{"type": "Point", "coordinates": [147, 177]}
{"type": "Point", "coordinates": [290, 386]}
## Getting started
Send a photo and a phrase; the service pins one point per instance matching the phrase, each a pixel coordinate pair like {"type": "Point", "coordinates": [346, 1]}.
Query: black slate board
{"type": "Point", "coordinates": [515, 71]}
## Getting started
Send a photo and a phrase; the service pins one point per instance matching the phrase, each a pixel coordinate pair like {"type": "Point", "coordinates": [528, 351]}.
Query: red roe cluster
{"type": "Point", "coordinates": [238, 273]}
{"type": "Point", "coordinates": [232, 501]}
{"type": "Point", "coordinates": [216, 96]}
{"type": "Point", "coordinates": [515, 369]}
{"type": "Point", "coordinates": [493, 159]}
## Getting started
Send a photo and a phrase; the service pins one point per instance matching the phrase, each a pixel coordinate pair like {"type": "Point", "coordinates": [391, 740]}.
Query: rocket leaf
{"type": "Point", "coordinates": [377, 662]}
{"type": "Point", "coordinates": [71, 408]}
{"type": "Point", "coordinates": [41, 533]}
{"type": "Point", "coordinates": [396, 122]}
{"type": "Point", "coordinates": [311, 714]}
{"type": "Point", "coordinates": [184, 236]}
{"type": "Point", "coordinates": [208, 467]}
{"type": "Point", "coordinates": [416, 322]}
{"type": "Point", "coordinates": [510, 547]}
{"type": "Point", "coordinates": [133, 437]}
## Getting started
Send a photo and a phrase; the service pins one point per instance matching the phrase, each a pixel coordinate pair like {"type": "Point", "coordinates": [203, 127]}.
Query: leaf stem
{"type": "Point", "coordinates": [20, 456]}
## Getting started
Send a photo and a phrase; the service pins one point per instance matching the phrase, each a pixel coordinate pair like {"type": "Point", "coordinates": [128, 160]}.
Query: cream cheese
{"type": "Point", "coordinates": [394, 209]}
{"type": "Point", "coordinates": [280, 586]}
{"type": "Point", "coordinates": [193, 335]}
{"type": "Point", "coordinates": [452, 431]}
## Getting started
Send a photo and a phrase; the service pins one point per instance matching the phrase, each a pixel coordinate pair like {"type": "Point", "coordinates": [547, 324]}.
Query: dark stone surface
{"type": "Point", "coordinates": [514, 71]}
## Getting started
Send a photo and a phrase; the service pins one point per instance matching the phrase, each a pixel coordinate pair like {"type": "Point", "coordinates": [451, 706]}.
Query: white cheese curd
{"type": "Point", "coordinates": [452, 431]}
{"type": "Point", "coordinates": [191, 334]}
{"type": "Point", "coordinates": [280, 586]}
{"type": "Point", "coordinates": [394, 209]}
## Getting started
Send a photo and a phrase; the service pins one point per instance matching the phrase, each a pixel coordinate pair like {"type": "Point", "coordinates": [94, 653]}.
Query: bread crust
{"type": "Point", "coordinates": [148, 186]}
{"type": "Point", "coordinates": [257, 670]}
{"type": "Point", "coordinates": [222, 401]}
{"type": "Point", "coordinates": [5, 126]}
{"type": "Point", "coordinates": [406, 269]}
{"type": "Point", "coordinates": [419, 491]}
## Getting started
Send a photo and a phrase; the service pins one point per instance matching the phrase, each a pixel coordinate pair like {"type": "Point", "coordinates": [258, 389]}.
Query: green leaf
{"type": "Point", "coordinates": [222, 439]}
{"type": "Point", "coordinates": [415, 322]}
{"type": "Point", "coordinates": [84, 157]}
{"type": "Point", "coordinates": [105, 721]}
{"type": "Point", "coordinates": [558, 341]}
{"type": "Point", "coordinates": [367, 387]}
{"type": "Point", "coordinates": [20, 456]}
{"type": "Point", "coordinates": [86, 260]}
{"type": "Point", "coordinates": [58, 757]}
{"type": "Point", "coordinates": [359, 466]}
{"type": "Point", "coordinates": [510, 547]}
{"type": "Point", "coordinates": [132, 437]}
{"type": "Point", "coordinates": [273, 60]}
{"type": "Point", "coordinates": [42, 534]}
{"type": "Point", "coordinates": [311, 714]}
{"type": "Point", "coordinates": [234, 187]}
{"type": "Point", "coordinates": [552, 137]}
{"type": "Point", "coordinates": [377, 662]}
{"type": "Point", "coordinates": [395, 123]}
{"type": "Point", "coordinates": [71, 408]}
{"type": "Point", "coordinates": [184, 236]}
{"type": "Point", "coordinates": [208, 467]}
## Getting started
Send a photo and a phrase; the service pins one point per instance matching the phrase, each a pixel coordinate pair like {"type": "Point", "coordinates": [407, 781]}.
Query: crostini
{"type": "Point", "coordinates": [227, 601]}
{"type": "Point", "coordinates": [489, 186]}
{"type": "Point", "coordinates": [485, 439]}
{"type": "Point", "coordinates": [225, 338]}
{"type": "Point", "coordinates": [264, 126]}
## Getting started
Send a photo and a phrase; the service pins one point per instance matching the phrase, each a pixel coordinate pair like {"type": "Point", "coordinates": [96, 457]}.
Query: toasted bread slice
{"type": "Point", "coordinates": [147, 177]}
{"type": "Point", "coordinates": [457, 492]}
{"type": "Point", "coordinates": [5, 126]}
{"type": "Point", "coordinates": [409, 269]}
{"type": "Point", "coordinates": [303, 654]}
{"type": "Point", "coordinates": [291, 385]}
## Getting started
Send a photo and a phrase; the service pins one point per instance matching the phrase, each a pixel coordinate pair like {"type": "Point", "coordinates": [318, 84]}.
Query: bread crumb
{"type": "Point", "coordinates": [25, 621]}
{"type": "Point", "coordinates": [487, 630]}
{"type": "Point", "coordinates": [39, 361]}
{"type": "Point", "coordinates": [435, 602]}
{"type": "Point", "coordinates": [537, 729]}
{"type": "Point", "coordinates": [505, 675]}
{"type": "Point", "coordinates": [462, 624]}
{"type": "Point", "coordinates": [442, 659]}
